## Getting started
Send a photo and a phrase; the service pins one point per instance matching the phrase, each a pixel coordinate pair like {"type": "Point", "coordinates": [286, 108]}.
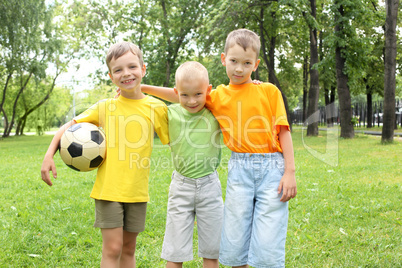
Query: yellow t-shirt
{"type": "Point", "coordinates": [129, 127]}
{"type": "Point", "coordinates": [250, 116]}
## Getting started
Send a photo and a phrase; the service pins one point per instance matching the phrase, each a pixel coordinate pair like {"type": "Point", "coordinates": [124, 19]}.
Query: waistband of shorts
{"type": "Point", "coordinates": [197, 181]}
{"type": "Point", "coordinates": [252, 156]}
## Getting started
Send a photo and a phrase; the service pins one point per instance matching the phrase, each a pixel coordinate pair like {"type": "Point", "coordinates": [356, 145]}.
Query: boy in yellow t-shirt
{"type": "Point", "coordinates": [261, 171]}
{"type": "Point", "coordinates": [121, 187]}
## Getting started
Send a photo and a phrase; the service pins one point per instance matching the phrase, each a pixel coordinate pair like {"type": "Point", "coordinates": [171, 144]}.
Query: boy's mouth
{"type": "Point", "coordinates": [128, 81]}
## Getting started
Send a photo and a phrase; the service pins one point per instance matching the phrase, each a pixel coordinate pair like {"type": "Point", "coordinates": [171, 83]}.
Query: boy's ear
{"type": "Point", "coordinates": [223, 59]}
{"type": "Point", "coordinates": [144, 70]}
{"type": "Point", "coordinates": [209, 89]}
{"type": "Point", "coordinates": [256, 64]}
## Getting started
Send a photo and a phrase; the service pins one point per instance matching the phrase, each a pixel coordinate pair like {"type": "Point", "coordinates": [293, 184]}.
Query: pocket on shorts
{"type": "Point", "coordinates": [280, 165]}
{"type": "Point", "coordinates": [173, 186]}
{"type": "Point", "coordinates": [218, 186]}
{"type": "Point", "coordinates": [234, 171]}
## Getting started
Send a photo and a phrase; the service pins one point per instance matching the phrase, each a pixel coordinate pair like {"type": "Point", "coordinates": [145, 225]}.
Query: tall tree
{"type": "Point", "coordinates": [305, 86]}
{"type": "Point", "coordinates": [314, 91]}
{"type": "Point", "coordinates": [175, 23]}
{"type": "Point", "coordinates": [30, 106]}
{"type": "Point", "coordinates": [345, 103]}
{"type": "Point", "coordinates": [269, 57]}
{"type": "Point", "coordinates": [28, 44]}
{"type": "Point", "coordinates": [389, 71]}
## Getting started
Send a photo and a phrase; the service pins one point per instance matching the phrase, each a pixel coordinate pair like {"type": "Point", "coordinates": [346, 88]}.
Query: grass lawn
{"type": "Point", "coordinates": [346, 214]}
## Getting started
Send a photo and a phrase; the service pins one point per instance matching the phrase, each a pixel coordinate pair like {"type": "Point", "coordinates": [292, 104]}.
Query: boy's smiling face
{"type": "Point", "coordinates": [126, 72]}
{"type": "Point", "coordinates": [193, 94]}
{"type": "Point", "coordinates": [240, 64]}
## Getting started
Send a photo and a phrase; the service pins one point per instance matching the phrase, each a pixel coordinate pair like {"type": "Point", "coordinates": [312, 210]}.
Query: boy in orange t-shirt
{"type": "Point", "coordinates": [261, 170]}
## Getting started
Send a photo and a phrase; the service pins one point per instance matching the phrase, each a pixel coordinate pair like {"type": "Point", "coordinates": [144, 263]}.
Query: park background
{"type": "Point", "coordinates": [326, 57]}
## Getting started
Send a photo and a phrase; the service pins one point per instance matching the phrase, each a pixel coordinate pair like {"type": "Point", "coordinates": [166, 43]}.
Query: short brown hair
{"type": "Point", "coordinates": [244, 38]}
{"type": "Point", "coordinates": [119, 49]}
{"type": "Point", "coordinates": [191, 70]}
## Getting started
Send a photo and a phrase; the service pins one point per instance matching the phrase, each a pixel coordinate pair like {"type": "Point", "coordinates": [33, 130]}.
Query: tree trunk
{"type": "Point", "coordinates": [313, 94]}
{"type": "Point", "coordinates": [167, 77]}
{"type": "Point", "coordinates": [391, 7]}
{"type": "Point", "coordinates": [333, 108]}
{"type": "Point", "coordinates": [345, 103]}
{"type": "Point", "coordinates": [369, 109]}
{"type": "Point", "coordinates": [22, 121]}
{"type": "Point", "coordinates": [3, 99]}
{"type": "Point", "coordinates": [328, 107]}
{"type": "Point", "coordinates": [8, 131]}
{"type": "Point", "coordinates": [20, 126]}
{"type": "Point", "coordinates": [5, 122]}
{"type": "Point", "coordinates": [305, 89]}
{"type": "Point", "coordinates": [272, 78]}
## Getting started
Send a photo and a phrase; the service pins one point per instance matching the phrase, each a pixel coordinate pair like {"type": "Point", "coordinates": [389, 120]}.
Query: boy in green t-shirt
{"type": "Point", "coordinates": [195, 189]}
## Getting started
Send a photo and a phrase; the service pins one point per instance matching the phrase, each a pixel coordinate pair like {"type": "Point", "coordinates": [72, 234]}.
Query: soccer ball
{"type": "Point", "coordinates": [83, 147]}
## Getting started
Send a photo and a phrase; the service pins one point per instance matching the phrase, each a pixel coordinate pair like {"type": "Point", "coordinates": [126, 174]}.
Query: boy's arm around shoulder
{"type": "Point", "coordinates": [160, 92]}
{"type": "Point", "coordinates": [48, 162]}
{"type": "Point", "coordinates": [288, 181]}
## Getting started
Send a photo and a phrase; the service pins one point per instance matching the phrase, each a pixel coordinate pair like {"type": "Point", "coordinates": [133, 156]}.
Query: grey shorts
{"type": "Point", "coordinates": [190, 198]}
{"type": "Point", "coordinates": [130, 216]}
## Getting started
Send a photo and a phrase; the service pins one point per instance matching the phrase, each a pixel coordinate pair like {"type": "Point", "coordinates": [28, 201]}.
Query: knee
{"type": "Point", "coordinates": [113, 249]}
{"type": "Point", "coordinates": [129, 247]}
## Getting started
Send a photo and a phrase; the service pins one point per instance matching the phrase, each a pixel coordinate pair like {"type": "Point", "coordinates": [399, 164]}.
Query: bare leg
{"type": "Point", "coordinates": [170, 264]}
{"type": "Point", "coordinates": [127, 259]}
{"type": "Point", "coordinates": [111, 247]}
{"type": "Point", "coordinates": [210, 263]}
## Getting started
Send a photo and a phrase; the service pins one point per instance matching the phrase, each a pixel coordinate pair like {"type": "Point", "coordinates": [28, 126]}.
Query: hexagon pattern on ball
{"type": "Point", "coordinates": [83, 147]}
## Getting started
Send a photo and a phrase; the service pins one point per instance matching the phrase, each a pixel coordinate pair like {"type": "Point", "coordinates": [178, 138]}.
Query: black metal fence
{"type": "Point", "coordinates": [360, 114]}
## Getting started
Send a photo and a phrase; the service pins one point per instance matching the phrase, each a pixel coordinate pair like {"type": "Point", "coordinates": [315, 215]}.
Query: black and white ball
{"type": "Point", "coordinates": [83, 147]}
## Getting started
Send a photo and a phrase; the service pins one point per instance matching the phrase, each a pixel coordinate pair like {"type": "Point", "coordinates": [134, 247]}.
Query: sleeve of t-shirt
{"type": "Point", "coordinates": [161, 123]}
{"type": "Point", "coordinates": [279, 109]}
{"type": "Point", "coordinates": [91, 115]}
{"type": "Point", "coordinates": [210, 99]}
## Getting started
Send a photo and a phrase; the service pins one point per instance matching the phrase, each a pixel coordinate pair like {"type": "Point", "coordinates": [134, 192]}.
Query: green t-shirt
{"type": "Point", "coordinates": [194, 141]}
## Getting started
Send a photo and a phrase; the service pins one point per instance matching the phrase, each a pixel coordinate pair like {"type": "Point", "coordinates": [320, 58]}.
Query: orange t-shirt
{"type": "Point", "coordinates": [250, 116]}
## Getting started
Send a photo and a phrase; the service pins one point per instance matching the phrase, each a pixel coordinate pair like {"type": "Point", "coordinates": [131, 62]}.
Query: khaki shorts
{"type": "Point", "coordinates": [190, 198]}
{"type": "Point", "coordinates": [130, 216]}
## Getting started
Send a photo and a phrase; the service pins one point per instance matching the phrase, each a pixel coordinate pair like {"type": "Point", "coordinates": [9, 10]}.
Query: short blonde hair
{"type": "Point", "coordinates": [244, 38]}
{"type": "Point", "coordinates": [119, 49]}
{"type": "Point", "coordinates": [191, 70]}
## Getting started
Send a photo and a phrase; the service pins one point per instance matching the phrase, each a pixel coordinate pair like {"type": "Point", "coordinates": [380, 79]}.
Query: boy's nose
{"type": "Point", "coordinates": [125, 72]}
{"type": "Point", "coordinates": [239, 68]}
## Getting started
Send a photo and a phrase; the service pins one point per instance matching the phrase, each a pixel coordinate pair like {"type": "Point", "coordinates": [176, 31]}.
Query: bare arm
{"type": "Point", "coordinates": [48, 162]}
{"type": "Point", "coordinates": [288, 181]}
{"type": "Point", "coordinates": [161, 92]}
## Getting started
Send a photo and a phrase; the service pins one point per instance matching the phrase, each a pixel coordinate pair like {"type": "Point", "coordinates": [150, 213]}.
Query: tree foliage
{"type": "Point", "coordinates": [38, 40]}
{"type": "Point", "coordinates": [29, 43]}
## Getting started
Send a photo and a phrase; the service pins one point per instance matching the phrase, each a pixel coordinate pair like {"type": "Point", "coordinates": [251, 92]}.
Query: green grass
{"type": "Point", "coordinates": [345, 215]}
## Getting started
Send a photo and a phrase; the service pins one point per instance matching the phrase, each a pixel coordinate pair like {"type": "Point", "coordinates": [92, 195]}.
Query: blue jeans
{"type": "Point", "coordinates": [255, 221]}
